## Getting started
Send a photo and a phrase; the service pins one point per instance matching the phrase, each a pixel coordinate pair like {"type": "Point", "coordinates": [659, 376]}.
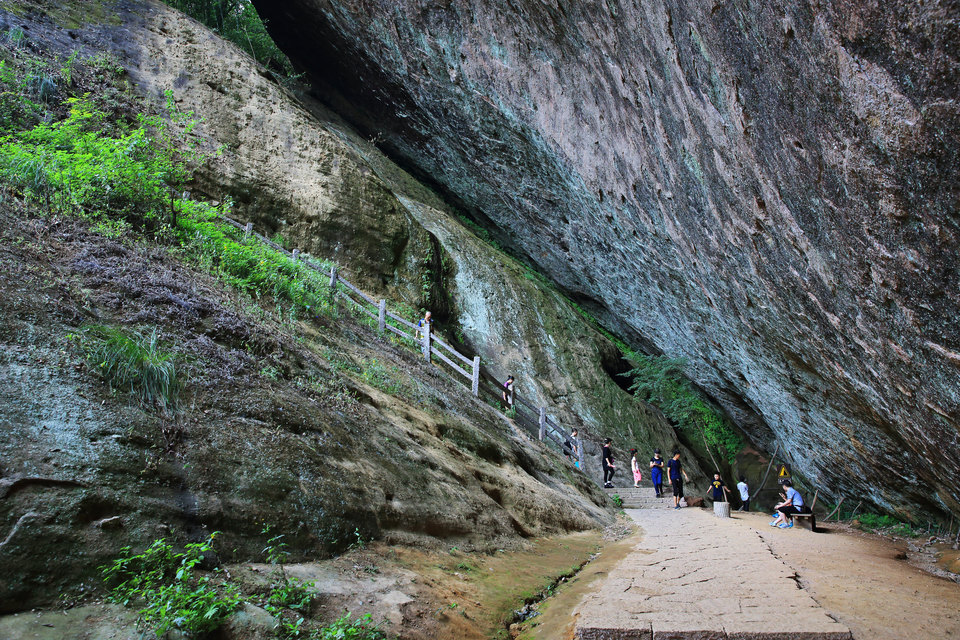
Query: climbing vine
{"type": "Point", "coordinates": [660, 381]}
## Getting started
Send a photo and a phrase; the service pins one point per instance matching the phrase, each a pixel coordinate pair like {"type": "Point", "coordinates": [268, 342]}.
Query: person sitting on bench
{"type": "Point", "coordinates": [791, 505]}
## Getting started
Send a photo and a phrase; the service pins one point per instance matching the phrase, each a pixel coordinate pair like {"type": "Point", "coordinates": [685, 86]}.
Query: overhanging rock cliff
{"type": "Point", "coordinates": [769, 190]}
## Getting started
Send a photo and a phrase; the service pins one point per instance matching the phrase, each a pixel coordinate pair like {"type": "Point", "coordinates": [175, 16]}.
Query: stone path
{"type": "Point", "coordinates": [698, 577]}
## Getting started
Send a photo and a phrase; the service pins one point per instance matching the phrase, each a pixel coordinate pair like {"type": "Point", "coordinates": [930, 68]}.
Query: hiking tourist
{"type": "Point", "coordinates": [508, 391]}
{"type": "Point", "coordinates": [718, 488]}
{"type": "Point", "coordinates": [425, 325]}
{"type": "Point", "coordinates": [744, 494]}
{"type": "Point", "coordinates": [656, 472]}
{"type": "Point", "coordinates": [677, 476]}
{"type": "Point", "coordinates": [793, 503]}
{"type": "Point", "coordinates": [606, 461]}
{"type": "Point", "coordinates": [575, 451]}
{"type": "Point", "coordinates": [637, 476]}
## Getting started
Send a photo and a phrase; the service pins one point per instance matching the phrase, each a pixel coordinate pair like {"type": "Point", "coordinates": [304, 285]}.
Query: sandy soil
{"type": "Point", "coordinates": [866, 582]}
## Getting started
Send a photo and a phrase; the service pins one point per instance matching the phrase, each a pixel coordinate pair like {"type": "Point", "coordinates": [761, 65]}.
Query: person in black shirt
{"type": "Point", "coordinates": [718, 488]}
{"type": "Point", "coordinates": [607, 462]}
{"type": "Point", "coordinates": [656, 472]}
{"type": "Point", "coordinates": [676, 481]}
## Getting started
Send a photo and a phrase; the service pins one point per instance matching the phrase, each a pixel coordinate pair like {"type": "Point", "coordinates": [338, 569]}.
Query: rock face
{"type": "Point", "coordinates": [767, 189]}
{"type": "Point", "coordinates": [295, 169]}
{"type": "Point", "coordinates": [278, 424]}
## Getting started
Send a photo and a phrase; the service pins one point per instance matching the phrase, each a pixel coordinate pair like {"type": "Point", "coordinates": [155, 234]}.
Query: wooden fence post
{"type": "Point", "coordinates": [426, 341]}
{"type": "Point", "coordinates": [296, 254]}
{"type": "Point", "coordinates": [382, 315]}
{"type": "Point", "coordinates": [333, 277]}
{"type": "Point", "coordinates": [475, 381]}
{"type": "Point", "coordinates": [543, 422]}
{"type": "Point", "coordinates": [248, 230]}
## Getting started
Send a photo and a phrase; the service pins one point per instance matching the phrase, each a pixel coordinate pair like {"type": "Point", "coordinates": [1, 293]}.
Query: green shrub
{"type": "Point", "coordinates": [250, 265]}
{"type": "Point", "coordinates": [73, 167]}
{"type": "Point", "coordinates": [660, 381]}
{"type": "Point", "coordinates": [134, 363]}
{"type": "Point", "coordinates": [344, 629]}
{"type": "Point", "coordinates": [164, 583]}
{"type": "Point", "coordinates": [617, 500]}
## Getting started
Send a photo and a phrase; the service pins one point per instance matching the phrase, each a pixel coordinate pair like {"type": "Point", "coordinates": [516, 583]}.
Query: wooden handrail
{"type": "Point", "coordinates": [546, 426]}
{"type": "Point", "coordinates": [443, 344]}
{"type": "Point", "coordinates": [357, 291]}
{"type": "Point", "coordinates": [450, 362]}
{"type": "Point", "coordinates": [405, 323]}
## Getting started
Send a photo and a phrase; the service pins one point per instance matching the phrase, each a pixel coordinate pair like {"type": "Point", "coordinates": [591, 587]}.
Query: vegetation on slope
{"type": "Point", "coordinates": [239, 22]}
{"type": "Point", "coordinates": [660, 381]}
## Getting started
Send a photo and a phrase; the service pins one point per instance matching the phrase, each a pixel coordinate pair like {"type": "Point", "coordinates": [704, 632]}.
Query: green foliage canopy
{"type": "Point", "coordinates": [239, 22]}
{"type": "Point", "coordinates": [660, 381]}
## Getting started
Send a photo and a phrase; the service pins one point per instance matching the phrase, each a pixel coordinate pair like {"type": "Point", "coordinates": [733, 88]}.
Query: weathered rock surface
{"type": "Point", "coordinates": [297, 169]}
{"type": "Point", "coordinates": [83, 472]}
{"type": "Point", "coordinates": [769, 190]}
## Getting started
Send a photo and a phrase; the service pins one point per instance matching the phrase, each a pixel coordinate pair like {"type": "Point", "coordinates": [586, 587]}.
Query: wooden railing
{"type": "Point", "coordinates": [529, 416]}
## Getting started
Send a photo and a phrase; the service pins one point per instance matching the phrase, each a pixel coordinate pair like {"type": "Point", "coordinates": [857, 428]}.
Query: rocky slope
{"type": "Point", "coordinates": [769, 190]}
{"type": "Point", "coordinates": [270, 433]}
{"type": "Point", "coordinates": [294, 168]}
{"type": "Point", "coordinates": [275, 429]}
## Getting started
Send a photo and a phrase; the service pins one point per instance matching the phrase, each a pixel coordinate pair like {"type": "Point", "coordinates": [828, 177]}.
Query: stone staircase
{"type": "Point", "coordinates": [641, 498]}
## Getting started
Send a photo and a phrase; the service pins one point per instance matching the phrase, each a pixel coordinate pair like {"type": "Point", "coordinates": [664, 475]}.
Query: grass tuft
{"type": "Point", "coordinates": [134, 363]}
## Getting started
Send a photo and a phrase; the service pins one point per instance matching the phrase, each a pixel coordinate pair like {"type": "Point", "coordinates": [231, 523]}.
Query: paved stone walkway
{"type": "Point", "coordinates": [698, 577]}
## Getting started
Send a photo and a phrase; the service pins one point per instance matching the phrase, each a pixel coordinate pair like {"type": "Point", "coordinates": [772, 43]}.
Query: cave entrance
{"type": "Point", "coordinates": [614, 364]}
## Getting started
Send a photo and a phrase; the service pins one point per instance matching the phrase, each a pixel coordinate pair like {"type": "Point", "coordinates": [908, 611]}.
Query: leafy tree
{"type": "Point", "coordinates": [660, 381]}
{"type": "Point", "coordinates": [239, 22]}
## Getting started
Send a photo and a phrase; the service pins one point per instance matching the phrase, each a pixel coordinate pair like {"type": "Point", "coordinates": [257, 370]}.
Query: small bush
{"type": "Point", "coordinates": [134, 363]}
{"type": "Point", "coordinates": [617, 500]}
{"type": "Point", "coordinates": [362, 628]}
{"type": "Point", "coordinates": [165, 584]}
{"type": "Point", "coordinates": [248, 264]}
{"type": "Point", "coordinates": [660, 381]}
{"type": "Point", "coordinates": [73, 167]}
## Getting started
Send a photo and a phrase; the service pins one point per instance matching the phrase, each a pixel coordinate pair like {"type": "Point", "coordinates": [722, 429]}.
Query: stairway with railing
{"type": "Point", "coordinates": [527, 415]}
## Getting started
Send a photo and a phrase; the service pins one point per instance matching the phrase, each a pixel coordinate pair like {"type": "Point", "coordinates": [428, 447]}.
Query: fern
{"type": "Point", "coordinates": [660, 381]}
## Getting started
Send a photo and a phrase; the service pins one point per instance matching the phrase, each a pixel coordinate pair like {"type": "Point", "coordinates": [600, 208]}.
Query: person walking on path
{"type": "Point", "coordinates": [575, 447]}
{"type": "Point", "coordinates": [508, 391]}
{"type": "Point", "coordinates": [744, 494]}
{"type": "Point", "coordinates": [656, 472]}
{"type": "Point", "coordinates": [677, 476]}
{"type": "Point", "coordinates": [425, 325]}
{"type": "Point", "coordinates": [635, 467]}
{"type": "Point", "coordinates": [718, 488]}
{"type": "Point", "coordinates": [791, 505]}
{"type": "Point", "coordinates": [607, 462]}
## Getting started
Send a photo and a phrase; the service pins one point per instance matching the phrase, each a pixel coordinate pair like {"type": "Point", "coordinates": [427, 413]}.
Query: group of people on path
{"type": "Point", "coordinates": [792, 502]}
{"type": "Point", "coordinates": [674, 469]}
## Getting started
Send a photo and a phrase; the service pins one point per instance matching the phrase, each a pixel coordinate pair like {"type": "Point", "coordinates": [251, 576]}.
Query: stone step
{"type": "Point", "coordinates": [623, 493]}
{"type": "Point", "coordinates": [636, 489]}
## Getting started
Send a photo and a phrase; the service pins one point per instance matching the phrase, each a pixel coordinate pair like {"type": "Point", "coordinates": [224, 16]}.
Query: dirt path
{"type": "Point", "coordinates": [861, 580]}
{"type": "Point", "coordinates": [865, 582]}
{"type": "Point", "coordinates": [694, 576]}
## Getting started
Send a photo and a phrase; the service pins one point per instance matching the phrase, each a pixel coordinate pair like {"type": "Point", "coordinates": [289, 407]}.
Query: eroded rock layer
{"type": "Point", "coordinates": [767, 189]}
